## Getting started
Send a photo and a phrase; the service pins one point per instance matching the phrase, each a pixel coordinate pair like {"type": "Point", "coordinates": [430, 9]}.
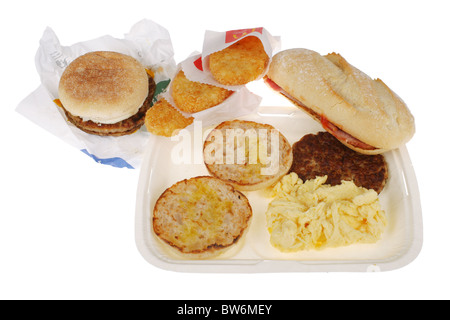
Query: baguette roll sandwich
{"type": "Point", "coordinates": [362, 113]}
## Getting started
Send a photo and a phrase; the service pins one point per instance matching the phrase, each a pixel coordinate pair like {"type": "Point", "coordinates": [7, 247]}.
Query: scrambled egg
{"type": "Point", "coordinates": [313, 215]}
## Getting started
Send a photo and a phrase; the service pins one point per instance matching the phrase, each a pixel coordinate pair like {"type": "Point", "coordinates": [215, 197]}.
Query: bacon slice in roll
{"type": "Point", "coordinates": [362, 113]}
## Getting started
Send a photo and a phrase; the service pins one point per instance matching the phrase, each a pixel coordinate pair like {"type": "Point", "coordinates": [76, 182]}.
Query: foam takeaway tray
{"type": "Point", "coordinates": [400, 243]}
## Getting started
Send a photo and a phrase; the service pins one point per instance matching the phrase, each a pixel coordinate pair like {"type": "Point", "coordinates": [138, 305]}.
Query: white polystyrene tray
{"type": "Point", "coordinates": [399, 245]}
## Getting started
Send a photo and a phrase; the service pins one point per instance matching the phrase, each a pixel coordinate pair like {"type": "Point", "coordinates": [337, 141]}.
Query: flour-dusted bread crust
{"type": "Point", "coordinates": [201, 217]}
{"type": "Point", "coordinates": [328, 86]}
{"type": "Point", "coordinates": [259, 167]}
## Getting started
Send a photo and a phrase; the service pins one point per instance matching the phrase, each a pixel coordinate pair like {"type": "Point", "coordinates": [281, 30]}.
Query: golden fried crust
{"type": "Point", "coordinates": [191, 96]}
{"type": "Point", "coordinates": [240, 63]}
{"type": "Point", "coordinates": [163, 119]}
{"type": "Point", "coordinates": [201, 217]}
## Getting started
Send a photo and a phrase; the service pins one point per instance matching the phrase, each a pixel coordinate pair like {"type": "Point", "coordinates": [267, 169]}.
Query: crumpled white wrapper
{"type": "Point", "coordinates": [146, 41]}
{"type": "Point", "coordinates": [216, 41]}
{"type": "Point", "coordinates": [241, 102]}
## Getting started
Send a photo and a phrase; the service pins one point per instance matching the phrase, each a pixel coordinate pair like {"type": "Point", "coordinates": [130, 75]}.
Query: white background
{"type": "Point", "coordinates": [67, 223]}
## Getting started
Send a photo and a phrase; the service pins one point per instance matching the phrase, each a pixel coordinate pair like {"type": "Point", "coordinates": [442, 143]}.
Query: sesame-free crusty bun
{"type": "Point", "coordinates": [106, 93]}
{"type": "Point", "coordinates": [364, 114]}
{"type": "Point", "coordinates": [201, 217]}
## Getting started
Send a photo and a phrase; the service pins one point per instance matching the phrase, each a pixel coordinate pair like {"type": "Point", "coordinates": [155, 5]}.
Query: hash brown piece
{"type": "Point", "coordinates": [201, 217]}
{"type": "Point", "coordinates": [240, 152]}
{"type": "Point", "coordinates": [322, 154]}
{"type": "Point", "coordinates": [163, 119]}
{"type": "Point", "coordinates": [240, 63]}
{"type": "Point", "coordinates": [191, 96]}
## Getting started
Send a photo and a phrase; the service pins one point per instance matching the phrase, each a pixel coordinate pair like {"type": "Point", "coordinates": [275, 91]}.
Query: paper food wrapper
{"type": "Point", "coordinates": [146, 41]}
{"type": "Point", "coordinates": [217, 41]}
{"type": "Point", "coordinates": [240, 103]}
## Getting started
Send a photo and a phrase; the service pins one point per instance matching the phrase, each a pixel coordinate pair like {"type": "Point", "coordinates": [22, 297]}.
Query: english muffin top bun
{"type": "Point", "coordinates": [362, 113]}
{"type": "Point", "coordinates": [106, 93]}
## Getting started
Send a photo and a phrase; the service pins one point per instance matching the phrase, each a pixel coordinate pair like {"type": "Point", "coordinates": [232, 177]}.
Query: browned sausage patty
{"type": "Point", "coordinates": [322, 154]}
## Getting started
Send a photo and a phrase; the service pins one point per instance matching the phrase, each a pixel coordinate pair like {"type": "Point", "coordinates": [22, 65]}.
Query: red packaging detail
{"type": "Point", "coordinates": [198, 63]}
{"type": "Point", "coordinates": [234, 35]}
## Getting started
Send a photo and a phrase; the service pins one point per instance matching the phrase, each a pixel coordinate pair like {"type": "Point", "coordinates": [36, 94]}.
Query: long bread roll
{"type": "Point", "coordinates": [362, 113]}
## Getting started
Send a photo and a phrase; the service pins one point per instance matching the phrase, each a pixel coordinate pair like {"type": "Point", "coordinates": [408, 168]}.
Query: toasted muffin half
{"type": "Point", "coordinates": [247, 154]}
{"type": "Point", "coordinates": [201, 217]}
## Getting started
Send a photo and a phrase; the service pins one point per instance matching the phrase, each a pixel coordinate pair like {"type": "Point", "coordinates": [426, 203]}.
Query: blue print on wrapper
{"type": "Point", "coordinates": [115, 162]}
